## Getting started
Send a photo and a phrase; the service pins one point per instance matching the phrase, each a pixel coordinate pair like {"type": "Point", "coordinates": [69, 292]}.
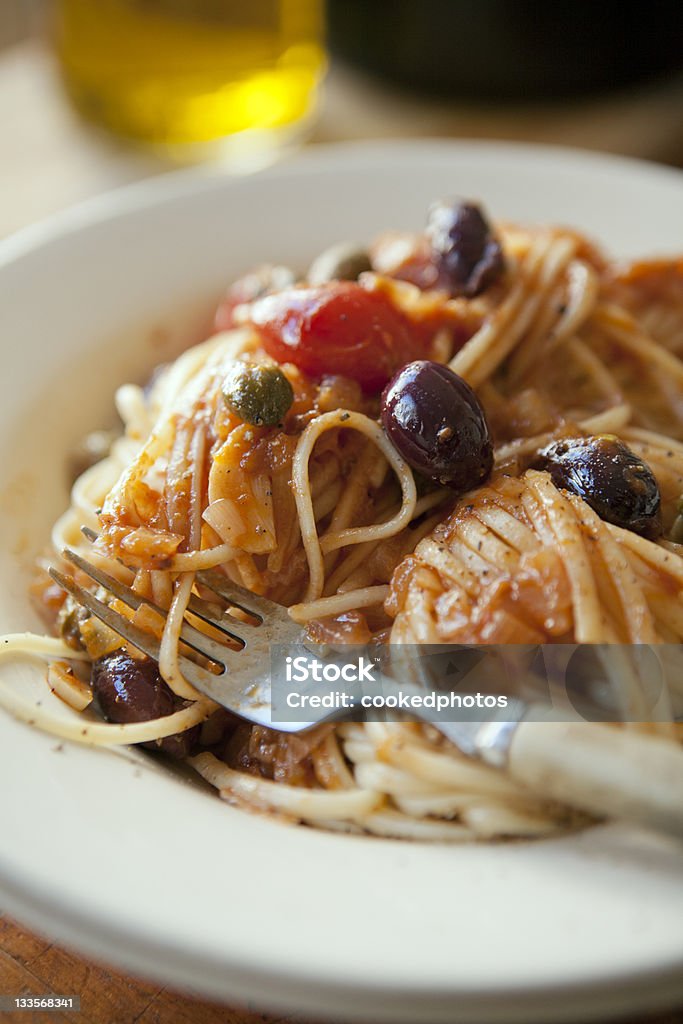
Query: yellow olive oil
{"type": "Point", "coordinates": [183, 73]}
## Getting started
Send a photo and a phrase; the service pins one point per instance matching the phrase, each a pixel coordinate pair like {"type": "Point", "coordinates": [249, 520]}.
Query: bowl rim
{"type": "Point", "coordinates": [159, 189]}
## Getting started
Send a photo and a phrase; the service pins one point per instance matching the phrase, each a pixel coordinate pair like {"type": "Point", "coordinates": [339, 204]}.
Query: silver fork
{"type": "Point", "coordinates": [584, 764]}
{"type": "Point", "coordinates": [240, 664]}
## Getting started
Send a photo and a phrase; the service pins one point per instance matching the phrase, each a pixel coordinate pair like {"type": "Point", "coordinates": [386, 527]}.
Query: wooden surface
{"type": "Point", "coordinates": [30, 965]}
{"type": "Point", "coordinates": [48, 160]}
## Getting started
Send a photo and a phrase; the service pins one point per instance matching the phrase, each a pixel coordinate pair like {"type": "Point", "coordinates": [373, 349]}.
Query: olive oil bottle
{"type": "Point", "coordinates": [186, 74]}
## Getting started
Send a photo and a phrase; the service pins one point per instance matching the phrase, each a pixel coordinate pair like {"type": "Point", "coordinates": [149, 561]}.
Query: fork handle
{"type": "Point", "coordinates": [600, 769]}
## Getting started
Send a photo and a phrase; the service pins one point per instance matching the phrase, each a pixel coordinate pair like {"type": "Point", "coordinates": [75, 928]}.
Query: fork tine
{"type": "Point", "coordinates": [134, 600]}
{"type": "Point", "coordinates": [124, 593]}
{"type": "Point", "coordinates": [213, 614]}
{"type": "Point", "coordinates": [275, 625]}
{"type": "Point", "coordinates": [202, 608]}
{"type": "Point", "coordinates": [199, 642]}
{"type": "Point", "coordinates": [253, 604]}
{"type": "Point", "coordinates": [145, 642]}
{"type": "Point", "coordinates": [240, 690]}
{"type": "Point", "coordinates": [234, 689]}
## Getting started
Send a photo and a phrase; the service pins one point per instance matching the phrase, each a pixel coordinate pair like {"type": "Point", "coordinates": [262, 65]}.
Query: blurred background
{"type": "Point", "coordinates": [97, 93]}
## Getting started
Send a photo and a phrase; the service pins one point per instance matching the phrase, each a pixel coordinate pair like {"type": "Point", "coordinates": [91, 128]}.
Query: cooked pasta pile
{"type": "Point", "coordinates": [322, 513]}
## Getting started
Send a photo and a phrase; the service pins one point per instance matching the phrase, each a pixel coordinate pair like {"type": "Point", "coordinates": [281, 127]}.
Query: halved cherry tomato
{"type": "Point", "coordinates": [337, 328]}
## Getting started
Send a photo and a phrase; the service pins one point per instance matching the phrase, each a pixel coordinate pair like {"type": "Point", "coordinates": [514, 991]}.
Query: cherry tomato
{"type": "Point", "coordinates": [337, 328]}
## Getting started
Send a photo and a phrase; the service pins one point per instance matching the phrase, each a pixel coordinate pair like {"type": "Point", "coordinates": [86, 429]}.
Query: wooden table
{"type": "Point", "coordinates": [48, 160]}
{"type": "Point", "coordinates": [30, 965]}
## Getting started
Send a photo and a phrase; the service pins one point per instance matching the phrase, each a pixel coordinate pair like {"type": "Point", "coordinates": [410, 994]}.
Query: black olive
{"type": "Point", "coordinates": [610, 478]}
{"type": "Point", "coordinates": [434, 419]}
{"type": "Point", "coordinates": [131, 690]}
{"type": "Point", "coordinates": [259, 394]}
{"type": "Point", "coordinates": [467, 253]}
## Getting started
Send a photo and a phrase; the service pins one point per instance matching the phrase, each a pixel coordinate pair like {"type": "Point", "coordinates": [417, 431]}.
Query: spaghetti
{"type": "Point", "coordinates": [321, 513]}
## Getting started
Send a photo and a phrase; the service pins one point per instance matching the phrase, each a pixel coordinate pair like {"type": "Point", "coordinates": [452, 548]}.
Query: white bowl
{"type": "Point", "coordinates": [129, 863]}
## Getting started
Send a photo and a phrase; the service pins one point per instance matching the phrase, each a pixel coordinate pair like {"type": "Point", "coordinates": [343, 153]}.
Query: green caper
{"type": "Point", "coordinates": [343, 262]}
{"type": "Point", "coordinates": [69, 624]}
{"type": "Point", "coordinates": [257, 393]}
